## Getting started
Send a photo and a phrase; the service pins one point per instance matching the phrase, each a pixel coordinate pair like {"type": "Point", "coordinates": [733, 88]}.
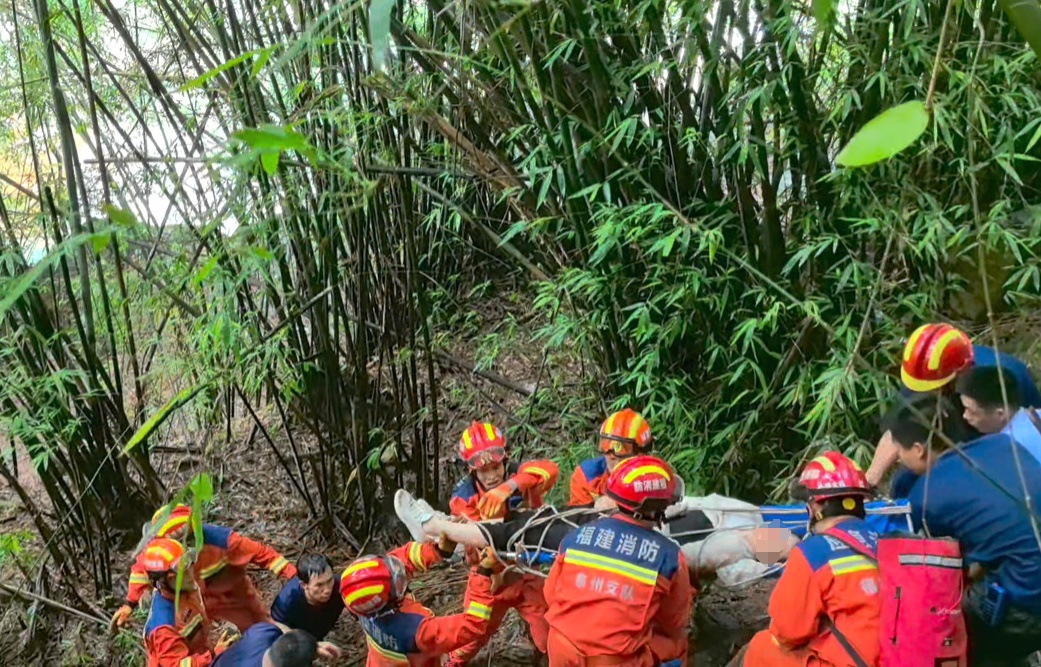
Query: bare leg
{"type": "Point", "coordinates": [886, 454]}
{"type": "Point", "coordinates": [468, 534]}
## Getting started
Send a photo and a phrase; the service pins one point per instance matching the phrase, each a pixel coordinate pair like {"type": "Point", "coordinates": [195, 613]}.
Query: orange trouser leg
{"type": "Point", "coordinates": [234, 598]}
{"type": "Point", "coordinates": [562, 653]}
{"type": "Point", "coordinates": [463, 655]}
{"type": "Point", "coordinates": [532, 608]}
{"type": "Point", "coordinates": [764, 651]}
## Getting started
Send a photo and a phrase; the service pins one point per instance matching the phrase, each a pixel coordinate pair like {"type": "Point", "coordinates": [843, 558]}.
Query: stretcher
{"type": "Point", "coordinates": [884, 516]}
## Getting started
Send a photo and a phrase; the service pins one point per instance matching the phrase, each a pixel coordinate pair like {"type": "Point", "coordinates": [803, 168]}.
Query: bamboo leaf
{"type": "Point", "coordinates": [885, 135]}
{"type": "Point", "coordinates": [823, 11]}
{"type": "Point", "coordinates": [205, 271]}
{"type": "Point", "coordinates": [202, 487]}
{"type": "Point", "coordinates": [24, 282]}
{"type": "Point", "coordinates": [270, 162]}
{"type": "Point", "coordinates": [174, 404]}
{"type": "Point", "coordinates": [204, 78]}
{"type": "Point", "coordinates": [120, 216]}
{"type": "Point", "coordinates": [379, 31]}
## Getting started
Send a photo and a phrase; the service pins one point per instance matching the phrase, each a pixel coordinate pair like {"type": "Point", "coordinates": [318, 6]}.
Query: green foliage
{"type": "Point", "coordinates": [885, 135]}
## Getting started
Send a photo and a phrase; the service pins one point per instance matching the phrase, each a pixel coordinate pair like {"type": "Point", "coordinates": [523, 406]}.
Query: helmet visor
{"type": "Point", "coordinates": [398, 578]}
{"type": "Point", "coordinates": [487, 457]}
{"type": "Point", "coordinates": [618, 447]}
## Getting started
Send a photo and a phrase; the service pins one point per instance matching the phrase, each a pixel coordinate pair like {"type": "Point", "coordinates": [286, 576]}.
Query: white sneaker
{"type": "Point", "coordinates": [414, 513]}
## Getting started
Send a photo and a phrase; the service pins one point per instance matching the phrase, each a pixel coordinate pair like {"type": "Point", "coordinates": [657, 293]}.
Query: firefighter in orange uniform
{"type": "Point", "coordinates": [829, 593]}
{"type": "Point", "coordinates": [398, 629]}
{"type": "Point", "coordinates": [228, 592]}
{"type": "Point", "coordinates": [619, 592]}
{"type": "Point", "coordinates": [622, 435]}
{"type": "Point", "coordinates": [177, 632]}
{"type": "Point", "coordinates": [494, 486]}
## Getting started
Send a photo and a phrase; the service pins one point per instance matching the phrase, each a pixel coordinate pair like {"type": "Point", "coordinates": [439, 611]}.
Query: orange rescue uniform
{"type": "Point", "coordinates": [410, 634]}
{"type": "Point", "coordinates": [618, 594]}
{"type": "Point", "coordinates": [588, 481]}
{"type": "Point", "coordinates": [177, 639]}
{"type": "Point", "coordinates": [824, 579]}
{"type": "Point", "coordinates": [523, 593]}
{"type": "Point", "coordinates": [228, 592]}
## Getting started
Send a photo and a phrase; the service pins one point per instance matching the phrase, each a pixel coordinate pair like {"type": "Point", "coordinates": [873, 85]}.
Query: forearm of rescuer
{"type": "Point", "coordinates": [886, 455]}
{"type": "Point", "coordinates": [242, 550]}
{"type": "Point", "coordinates": [444, 634]}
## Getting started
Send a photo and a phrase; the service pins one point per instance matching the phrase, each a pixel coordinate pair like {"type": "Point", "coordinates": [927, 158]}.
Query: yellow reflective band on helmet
{"type": "Point", "coordinates": [609, 424]}
{"type": "Point", "coordinates": [479, 610]}
{"type": "Point", "coordinates": [363, 592]}
{"type": "Point", "coordinates": [612, 565]}
{"type": "Point", "coordinates": [634, 427]}
{"type": "Point", "coordinates": [489, 431]}
{"type": "Point", "coordinates": [171, 525]}
{"type": "Point", "coordinates": [941, 345]}
{"type": "Point", "coordinates": [161, 551]}
{"type": "Point", "coordinates": [538, 471]}
{"type": "Point", "coordinates": [851, 564]}
{"type": "Point", "coordinates": [467, 440]}
{"type": "Point", "coordinates": [825, 463]}
{"type": "Point", "coordinates": [415, 554]}
{"type": "Point", "coordinates": [913, 341]}
{"type": "Point", "coordinates": [645, 470]}
{"type": "Point", "coordinates": [361, 565]}
{"type": "Point", "coordinates": [387, 653]}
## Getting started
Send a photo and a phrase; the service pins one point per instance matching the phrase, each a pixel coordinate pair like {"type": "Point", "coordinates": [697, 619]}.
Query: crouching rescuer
{"type": "Point", "coordinates": [398, 629]}
{"type": "Point", "coordinates": [492, 489]}
{"type": "Point", "coordinates": [619, 593]}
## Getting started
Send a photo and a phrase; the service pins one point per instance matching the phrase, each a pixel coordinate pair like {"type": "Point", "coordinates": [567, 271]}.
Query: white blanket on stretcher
{"type": "Point", "coordinates": [729, 549]}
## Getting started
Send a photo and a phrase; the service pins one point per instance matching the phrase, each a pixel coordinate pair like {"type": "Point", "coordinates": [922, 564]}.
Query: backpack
{"type": "Point", "coordinates": [921, 622]}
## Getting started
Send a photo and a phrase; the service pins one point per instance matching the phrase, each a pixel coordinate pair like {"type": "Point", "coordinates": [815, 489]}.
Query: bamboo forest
{"type": "Point", "coordinates": [379, 288]}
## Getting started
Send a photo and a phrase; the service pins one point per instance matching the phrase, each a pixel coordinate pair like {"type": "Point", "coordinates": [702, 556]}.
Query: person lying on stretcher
{"type": "Point", "coordinates": [720, 537]}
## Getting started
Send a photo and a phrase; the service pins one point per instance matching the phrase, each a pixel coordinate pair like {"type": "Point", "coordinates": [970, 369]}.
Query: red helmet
{"type": "Point", "coordinates": [161, 557]}
{"type": "Point", "coordinates": [169, 518]}
{"type": "Point", "coordinates": [832, 475]}
{"type": "Point", "coordinates": [371, 583]}
{"type": "Point", "coordinates": [934, 355]}
{"type": "Point", "coordinates": [625, 433]}
{"type": "Point", "coordinates": [481, 445]}
{"type": "Point", "coordinates": [643, 484]}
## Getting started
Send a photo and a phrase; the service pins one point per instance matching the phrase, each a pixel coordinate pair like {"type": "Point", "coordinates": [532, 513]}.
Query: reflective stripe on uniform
{"type": "Point", "coordinates": [851, 564]}
{"type": "Point", "coordinates": [479, 610]}
{"type": "Point", "coordinates": [140, 579]}
{"type": "Point", "coordinates": [415, 555]}
{"type": "Point", "coordinates": [642, 575]}
{"type": "Point", "coordinates": [185, 662]}
{"type": "Point", "coordinates": [386, 652]}
{"type": "Point", "coordinates": [191, 626]}
{"type": "Point", "coordinates": [208, 572]}
{"type": "Point", "coordinates": [279, 565]}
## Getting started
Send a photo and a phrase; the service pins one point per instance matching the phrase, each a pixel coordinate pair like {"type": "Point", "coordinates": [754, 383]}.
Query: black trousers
{"type": "Point", "coordinates": [1010, 643]}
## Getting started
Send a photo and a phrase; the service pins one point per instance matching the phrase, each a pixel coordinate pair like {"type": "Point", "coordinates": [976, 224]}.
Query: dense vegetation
{"type": "Point", "coordinates": [291, 212]}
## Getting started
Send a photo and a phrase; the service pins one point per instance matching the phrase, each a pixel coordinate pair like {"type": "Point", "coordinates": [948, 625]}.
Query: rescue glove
{"type": "Point", "coordinates": [227, 638]}
{"type": "Point", "coordinates": [120, 618]}
{"type": "Point", "coordinates": [491, 567]}
{"type": "Point", "coordinates": [493, 504]}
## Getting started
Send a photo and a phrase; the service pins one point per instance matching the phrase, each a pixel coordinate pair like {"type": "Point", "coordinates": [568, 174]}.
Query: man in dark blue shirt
{"type": "Point", "coordinates": [264, 645]}
{"type": "Point", "coordinates": [935, 343]}
{"type": "Point", "coordinates": [307, 601]}
{"type": "Point", "coordinates": [977, 495]}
